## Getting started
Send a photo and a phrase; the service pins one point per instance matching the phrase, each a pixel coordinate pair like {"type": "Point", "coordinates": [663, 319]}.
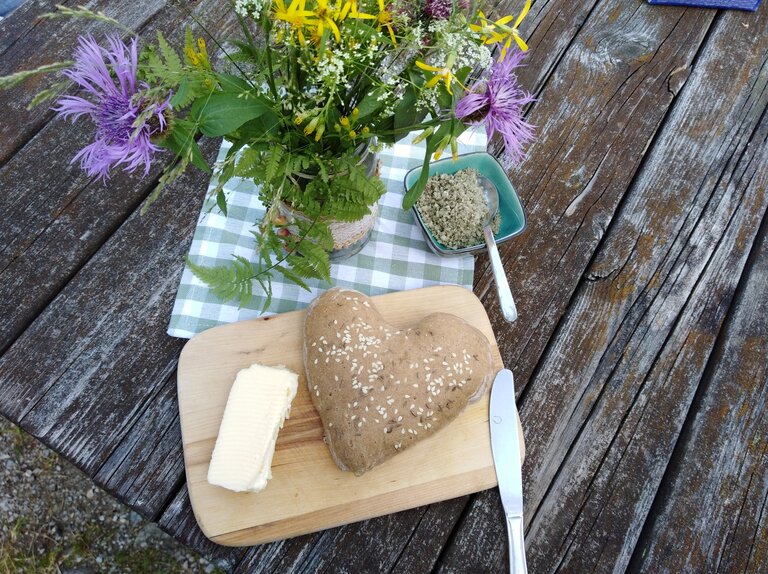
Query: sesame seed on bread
{"type": "Point", "coordinates": [380, 389]}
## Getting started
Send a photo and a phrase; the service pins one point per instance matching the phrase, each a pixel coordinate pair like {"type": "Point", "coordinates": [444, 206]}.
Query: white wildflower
{"type": "Point", "coordinates": [250, 8]}
{"type": "Point", "coordinates": [439, 26]}
{"type": "Point", "coordinates": [428, 100]}
{"type": "Point", "coordinates": [467, 52]}
{"type": "Point", "coordinates": [330, 70]}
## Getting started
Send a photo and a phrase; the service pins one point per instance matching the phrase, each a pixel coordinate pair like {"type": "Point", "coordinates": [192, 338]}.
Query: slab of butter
{"type": "Point", "coordinates": [258, 404]}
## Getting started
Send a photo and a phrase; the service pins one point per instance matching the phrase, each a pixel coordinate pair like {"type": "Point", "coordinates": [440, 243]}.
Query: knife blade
{"type": "Point", "coordinates": [505, 446]}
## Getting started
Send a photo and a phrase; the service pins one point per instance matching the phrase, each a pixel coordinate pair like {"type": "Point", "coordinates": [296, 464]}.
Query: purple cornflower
{"type": "Point", "coordinates": [498, 103]}
{"type": "Point", "coordinates": [109, 76]}
{"type": "Point", "coordinates": [438, 9]}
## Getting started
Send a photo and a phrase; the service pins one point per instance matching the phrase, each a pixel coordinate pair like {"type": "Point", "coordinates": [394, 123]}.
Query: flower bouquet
{"type": "Point", "coordinates": [306, 96]}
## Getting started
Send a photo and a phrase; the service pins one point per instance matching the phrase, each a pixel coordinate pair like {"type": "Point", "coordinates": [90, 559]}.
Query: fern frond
{"type": "Point", "coordinates": [274, 158]}
{"type": "Point", "coordinates": [172, 60]}
{"type": "Point", "coordinates": [291, 275]}
{"type": "Point", "coordinates": [227, 282]}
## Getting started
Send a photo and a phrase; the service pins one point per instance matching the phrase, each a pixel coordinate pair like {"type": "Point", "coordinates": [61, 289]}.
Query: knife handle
{"type": "Point", "coordinates": [517, 563]}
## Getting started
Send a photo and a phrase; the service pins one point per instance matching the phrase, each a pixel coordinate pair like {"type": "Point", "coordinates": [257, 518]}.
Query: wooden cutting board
{"type": "Point", "coordinates": [307, 491]}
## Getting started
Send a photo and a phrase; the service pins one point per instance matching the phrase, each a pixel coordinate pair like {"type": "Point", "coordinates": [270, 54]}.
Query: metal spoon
{"type": "Point", "coordinates": [506, 302]}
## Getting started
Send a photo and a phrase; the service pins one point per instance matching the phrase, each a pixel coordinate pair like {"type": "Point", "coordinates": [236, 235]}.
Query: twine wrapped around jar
{"type": "Point", "coordinates": [349, 237]}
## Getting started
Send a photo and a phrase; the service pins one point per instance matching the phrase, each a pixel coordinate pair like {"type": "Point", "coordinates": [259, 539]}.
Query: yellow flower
{"type": "Point", "coordinates": [295, 15]}
{"type": "Point", "coordinates": [201, 46]}
{"type": "Point", "coordinates": [384, 20]}
{"type": "Point", "coordinates": [311, 125]}
{"type": "Point", "coordinates": [350, 9]}
{"type": "Point", "coordinates": [325, 17]}
{"type": "Point", "coordinates": [198, 59]}
{"type": "Point", "coordinates": [499, 32]}
{"type": "Point", "coordinates": [192, 56]}
{"type": "Point", "coordinates": [445, 73]}
{"type": "Point", "coordinates": [344, 120]}
{"type": "Point", "coordinates": [441, 147]}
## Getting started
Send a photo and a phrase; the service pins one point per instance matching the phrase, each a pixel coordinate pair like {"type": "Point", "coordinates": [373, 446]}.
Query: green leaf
{"type": "Point", "coordinates": [180, 139]}
{"type": "Point", "coordinates": [321, 234]}
{"type": "Point", "coordinates": [291, 276]}
{"type": "Point", "coordinates": [221, 201]}
{"type": "Point", "coordinates": [248, 163]}
{"type": "Point", "coordinates": [415, 191]}
{"type": "Point", "coordinates": [274, 157]}
{"type": "Point", "coordinates": [222, 113]}
{"type": "Point", "coordinates": [182, 95]}
{"type": "Point", "coordinates": [227, 282]}
{"type": "Point", "coordinates": [266, 286]}
{"type": "Point", "coordinates": [370, 103]}
{"type": "Point", "coordinates": [234, 84]}
{"type": "Point", "coordinates": [172, 61]}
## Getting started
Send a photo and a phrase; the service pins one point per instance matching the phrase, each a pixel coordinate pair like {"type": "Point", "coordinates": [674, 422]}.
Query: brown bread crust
{"type": "Point", "coordinates": [380, 390]}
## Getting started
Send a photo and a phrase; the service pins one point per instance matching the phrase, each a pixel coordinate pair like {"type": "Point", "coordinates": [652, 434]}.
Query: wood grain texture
{"type": "Point", "coordinates": [37, 42]}
{"type": "Point", "coordinates": [607, 74]}
{"type": "Point", "coordinates": [52, 226]}
{"type": "Point", "coordinates": [611, 393]}
{"type": "Point", "coordinates": [147, 467]}
{"type": "Point", "coordinates": [307, 491]}
{"type": "Point", "coordinates": [712, 516]}
{"type": "Point", "coordinates": [596, 115]}
{"type": "Point", "coordinates": [179, 521]}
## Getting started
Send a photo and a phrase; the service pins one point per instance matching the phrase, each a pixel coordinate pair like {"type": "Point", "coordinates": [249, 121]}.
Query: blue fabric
{"type": "Point", "coordinates": [7, 5]}
{"type": "Point", "coordinates": [750, 5]}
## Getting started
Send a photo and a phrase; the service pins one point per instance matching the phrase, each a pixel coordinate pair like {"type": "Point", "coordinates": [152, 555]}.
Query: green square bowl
{"type": "Point", "coordinates": [513, 219]}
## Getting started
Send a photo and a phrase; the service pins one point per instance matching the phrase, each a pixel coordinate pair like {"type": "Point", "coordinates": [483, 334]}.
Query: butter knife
{"type": "Point", "coordinates": [505, 444]}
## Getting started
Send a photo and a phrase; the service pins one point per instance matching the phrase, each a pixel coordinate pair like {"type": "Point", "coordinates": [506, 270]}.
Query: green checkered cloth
{"type": "Point", "coordinates": [395, 259]}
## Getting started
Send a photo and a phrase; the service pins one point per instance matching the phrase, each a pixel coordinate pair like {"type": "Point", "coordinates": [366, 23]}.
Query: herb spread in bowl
{"type": "Point", "coordinates": [452, 207]}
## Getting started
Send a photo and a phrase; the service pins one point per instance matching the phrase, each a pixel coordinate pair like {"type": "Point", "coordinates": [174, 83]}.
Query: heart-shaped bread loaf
{"type": "Point", "coordinates": [380, 390]}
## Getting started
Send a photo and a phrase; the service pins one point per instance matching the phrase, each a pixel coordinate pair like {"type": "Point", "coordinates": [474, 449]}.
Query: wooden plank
{"type": "Point", "coordinates": [179, 521]}
{"type": "Point", "coordinates": [430, 536]}
{"type": "Point", "coordinates": [99, 349]}
{"type": "Point", "coordinates": [147, 467]}
{"type": "Point", "coordinates": [712, 515]}
{"type": "Point", "coordinates": [607, 403]}
{"type": "Point", "coordinates": [22, 20]}
{"type": "Point", "coordinates": [50, 230]}
{"type": "Point", "coordinates": [32, 42]}
{"type": "Point", "coordinates": [291, 555]}
{"type": "Point", "coordinates": [595, 117]}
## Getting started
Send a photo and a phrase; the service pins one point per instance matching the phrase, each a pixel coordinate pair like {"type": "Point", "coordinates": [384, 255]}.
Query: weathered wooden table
{"type": "Point", "coordinates": [641, 352]}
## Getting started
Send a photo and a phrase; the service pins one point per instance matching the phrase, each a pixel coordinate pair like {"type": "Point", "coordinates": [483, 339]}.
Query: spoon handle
{"type": "Point", "coordinates": [506, 302]}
